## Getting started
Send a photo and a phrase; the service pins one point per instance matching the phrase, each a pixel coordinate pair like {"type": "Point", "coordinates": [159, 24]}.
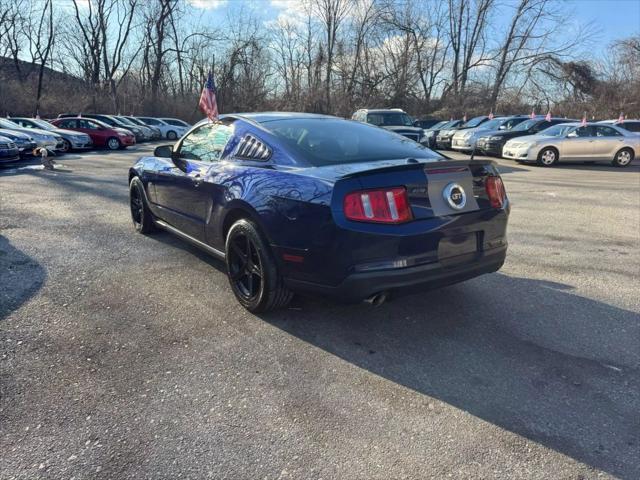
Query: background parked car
{"type": "Point", "coordinates": [176, 122]}
{"type": "Point", "coordinates": [443, 140]}
{"type": "Point", "coordinates": [393, 119]}
{"type": "Point", "coordinates": [9, 151]}
{"type": "Point", "coordinates": [431, 133]}
{"type": "Point", "coordinates": [146, 132]}
{"type": "Point", "coordinates": [492, 143]}
{"type": "Point", "coordinates": [465, 140]}
{"type": "Point", "coordinates": [573, 142]}
{"type": "Point", "coordinates": [109, 120]}
{"type": "Point", "coordinates": [72, 140]}
{"type": "Point", "coordinates": [102, 134]}
{"type": "Point", "coordinates": [426, 123]}
{"type": "Point", "coordinates": [156, 134]}
{"type": "Point", "coordinates": [43, 138]}
{"type": "Point", "coordinates": [168, 131]}
{"type": "Point", "coordinates": [23, 141]}
{"type": "Point", "coordinates": [630, 125]}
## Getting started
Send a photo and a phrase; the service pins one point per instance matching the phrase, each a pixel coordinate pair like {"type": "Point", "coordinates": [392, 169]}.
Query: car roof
{"type": "Point", "coordinates": [263, 117]}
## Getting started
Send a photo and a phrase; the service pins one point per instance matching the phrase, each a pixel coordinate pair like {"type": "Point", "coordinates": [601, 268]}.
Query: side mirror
{"type": "Point", "coordinates": [163, 151]}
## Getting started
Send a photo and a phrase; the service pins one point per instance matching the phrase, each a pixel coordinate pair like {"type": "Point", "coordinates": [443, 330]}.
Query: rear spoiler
{"type": "Point", "coordinates": [446, 163]}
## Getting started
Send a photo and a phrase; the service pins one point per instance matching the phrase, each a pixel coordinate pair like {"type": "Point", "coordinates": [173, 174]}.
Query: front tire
{"type": "Point", "coordinates": [142, 217]}
{"type": "Point", "coordinates": [171, 135]}
{"type": "Point", "coordinates": [66, 146]}
{"type": "Point", "coordinates": [547, 157]}
{"type": "Point", "coordinates": [623, 158]}
{"type": "Point", "coordinates": [113, 143]}
{"type": "Point", "coordinates": [252, 270]}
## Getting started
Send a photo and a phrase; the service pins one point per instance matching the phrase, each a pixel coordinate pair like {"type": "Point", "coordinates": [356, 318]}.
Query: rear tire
{"type": "Point", "coordinates": [547, 157]}
{"type": "Point", "coordinates": [142, 217]}
{"type": "Point", "coordinates": [113, 143]}
{"type": "Point", "coordinates": [252, 270]}
{"type": "Point", "coordinates": [623, 158]}
{"type": "Point", "coordinates": [171, 135]}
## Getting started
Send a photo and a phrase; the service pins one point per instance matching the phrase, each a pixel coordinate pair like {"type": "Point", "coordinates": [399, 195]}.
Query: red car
{"type": "Point", "coordinates": [101, 134]}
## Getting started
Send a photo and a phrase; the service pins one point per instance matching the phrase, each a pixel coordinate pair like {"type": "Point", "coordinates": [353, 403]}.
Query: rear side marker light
{"type": "Point", "coordinates": [387, 205]}
{"type": "Point", "coordinates": [495, 191]}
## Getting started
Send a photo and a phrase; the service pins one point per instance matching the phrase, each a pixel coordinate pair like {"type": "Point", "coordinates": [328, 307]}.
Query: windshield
{"type": "Point", "coordinates": [4, 123]}
{"type": "Point", "coordinates": [560, 130]}
{"type": "Point", "coordinates": [389, 119]}
{"type": "Point", "coordinates": [135, 121]}
{"type": "Point", "coordinates": [526, 125]}
{"type": "Point", "coordinates": [492, 124]}
{"type": "Point", "coordinates": [124, 120]}
{"type": "Point", "coordinates": [41, 124]}
{"type": "Point", "coordinates": [151, 121]}
{"type": "Point", "coordinates": [474, 122]}
{"type": "Point", "coordinates": [333, 141]}
{"type": "Point", "coordinates": [438, 125]}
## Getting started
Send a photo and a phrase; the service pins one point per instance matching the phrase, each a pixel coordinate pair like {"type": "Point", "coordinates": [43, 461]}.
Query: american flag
{"type": "Point", "coordinates": [533, 114]}
{"type": "Point", "coordinates": [548, 117]}
{"type": "Point", "coordinates": [491, 115]}
{"type": "Point", "coordinates": [583, 123]}
{"type": "Point", "coordinates": [620, 118]}
{"type": "Point", "coordinates": [464, 119]}
{"type": "Point", "coordinates": [208, 103]}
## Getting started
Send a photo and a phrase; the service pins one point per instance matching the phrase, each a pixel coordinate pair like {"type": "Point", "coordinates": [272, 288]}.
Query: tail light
{"type": "Point", "coordinates": [386, 205]}
{"type": "Point", "coordinates": [495, 191]}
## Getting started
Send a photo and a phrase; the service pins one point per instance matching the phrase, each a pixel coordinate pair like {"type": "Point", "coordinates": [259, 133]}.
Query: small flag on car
{"type": "Point", "coordinates": [464, 118]}
{"type": "Point", "coordinates": [620, 118]}
{"type": "Point", "coordinates": [548, 117]}
{"type": "Point", "coordinates": [491, 115]}
{"type": "Point", "coordinates": [37, 114]}
{"type": "Point", "coordinates": [208, 103]}
{"type": "Point", "coordinates": [533, 114]}
{"type": "Point", "coordinates": [583, 123]}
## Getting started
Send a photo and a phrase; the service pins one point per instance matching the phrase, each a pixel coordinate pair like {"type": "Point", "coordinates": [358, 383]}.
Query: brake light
{"type": "Point", "coordinates": [495, 191]}
{"type": "Point", "coordinates": [387, 205]}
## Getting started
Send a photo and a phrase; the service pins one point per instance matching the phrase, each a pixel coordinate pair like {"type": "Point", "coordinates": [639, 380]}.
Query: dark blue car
{"type": "Point", "coordinates": [9, 151]}
{"type": "Point", "coordinates": [316, 204]}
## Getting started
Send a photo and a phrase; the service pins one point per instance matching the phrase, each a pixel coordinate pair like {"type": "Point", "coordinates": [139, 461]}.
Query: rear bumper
{"type": "Point", "coordinates": [359, 286]}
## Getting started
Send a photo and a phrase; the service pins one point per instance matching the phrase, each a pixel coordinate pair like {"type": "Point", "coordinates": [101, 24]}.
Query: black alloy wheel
{"type": "Point", "coordinates": [140, 215]}
{"type": "Point", "coordinates": [252, 271]}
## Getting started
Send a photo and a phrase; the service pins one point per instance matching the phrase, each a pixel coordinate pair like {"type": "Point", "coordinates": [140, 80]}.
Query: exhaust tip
{"type": "Point", "coordinates": [377, 299]}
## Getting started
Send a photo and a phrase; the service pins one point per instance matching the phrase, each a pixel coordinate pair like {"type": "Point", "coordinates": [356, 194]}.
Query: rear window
{"type": "Point", "coordinates": [334, 141]}
{"type": "Point", "coordinates": [389, 119]}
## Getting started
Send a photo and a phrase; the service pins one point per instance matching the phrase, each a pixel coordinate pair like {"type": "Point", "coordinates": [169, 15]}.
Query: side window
{"type": "Point", "coordinates": [604, 131]}
{"type": "Point", "coordinates": [206, 143]}
{"type": "Point", "coordinates": [71, 123]}
{"type": "Point", "coordinates": [541, 126]}
{"type": "Point", "coordinates": [581, 132]}
{"type": "Point", "coordinates": [631, 126]}
{"type": "Point", "coordinates": [87, 124]}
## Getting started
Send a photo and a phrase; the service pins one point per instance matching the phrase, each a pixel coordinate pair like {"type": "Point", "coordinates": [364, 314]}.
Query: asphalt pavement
{"type": "Point", "coordinates": [127, 356]}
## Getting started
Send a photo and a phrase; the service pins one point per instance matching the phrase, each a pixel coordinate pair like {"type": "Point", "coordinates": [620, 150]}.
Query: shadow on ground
{"type": "Point", "coordinates": [20, 276]}
{"type": "Point", "coordinates": [529, 356]}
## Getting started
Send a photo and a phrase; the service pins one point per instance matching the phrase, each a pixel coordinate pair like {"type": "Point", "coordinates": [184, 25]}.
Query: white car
{"type": "Point", "coordinates": [574, 142]}
{"type": "Point", "coordinates": [168, 130]}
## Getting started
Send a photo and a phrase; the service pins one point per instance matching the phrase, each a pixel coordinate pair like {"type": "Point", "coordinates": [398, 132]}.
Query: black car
{"type": "Point", "coordinates": [430, 134]}
{"type": "Point", "coordinates": [426, 123]}
{"type": "Point", "coordinates": [492, 142]}
{"type": "Point", "coordinates": [393, 119]}
{"type": "Point", "coordinates": [443, 139]}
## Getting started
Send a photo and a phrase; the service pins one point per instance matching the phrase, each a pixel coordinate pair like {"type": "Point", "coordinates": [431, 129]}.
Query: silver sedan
{"type": "Point", "coordinates": [574, 142]}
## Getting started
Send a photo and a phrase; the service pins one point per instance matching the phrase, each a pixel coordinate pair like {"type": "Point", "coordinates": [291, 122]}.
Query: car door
{"type": "Point", "coordinates": [607, 142]}
{"type": "Point", "coordinates": [94, 130]}
{"type": "Point", "coordinates": [184, 191]}
{"type": "Point", "coordinates": [577, 145]}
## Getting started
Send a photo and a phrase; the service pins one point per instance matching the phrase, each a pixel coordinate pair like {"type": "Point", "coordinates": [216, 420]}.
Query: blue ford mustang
{"type": "Point", "coordinates": [311, 203]}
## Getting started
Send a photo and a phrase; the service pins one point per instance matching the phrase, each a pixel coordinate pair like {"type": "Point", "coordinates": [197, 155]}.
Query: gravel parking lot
{"type": "Point", "coordinates": [125, 356]}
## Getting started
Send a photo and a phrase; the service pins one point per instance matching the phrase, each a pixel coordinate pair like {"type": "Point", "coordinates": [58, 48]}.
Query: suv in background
{"type": "Point", "coordinates": [492, 142]}
{"type": "Point", "coordinates": [393, 119]}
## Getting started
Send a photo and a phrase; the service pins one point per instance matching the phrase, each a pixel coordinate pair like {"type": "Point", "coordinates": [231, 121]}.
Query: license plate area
{"type": "Point", "coordinates": [458, 249]}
